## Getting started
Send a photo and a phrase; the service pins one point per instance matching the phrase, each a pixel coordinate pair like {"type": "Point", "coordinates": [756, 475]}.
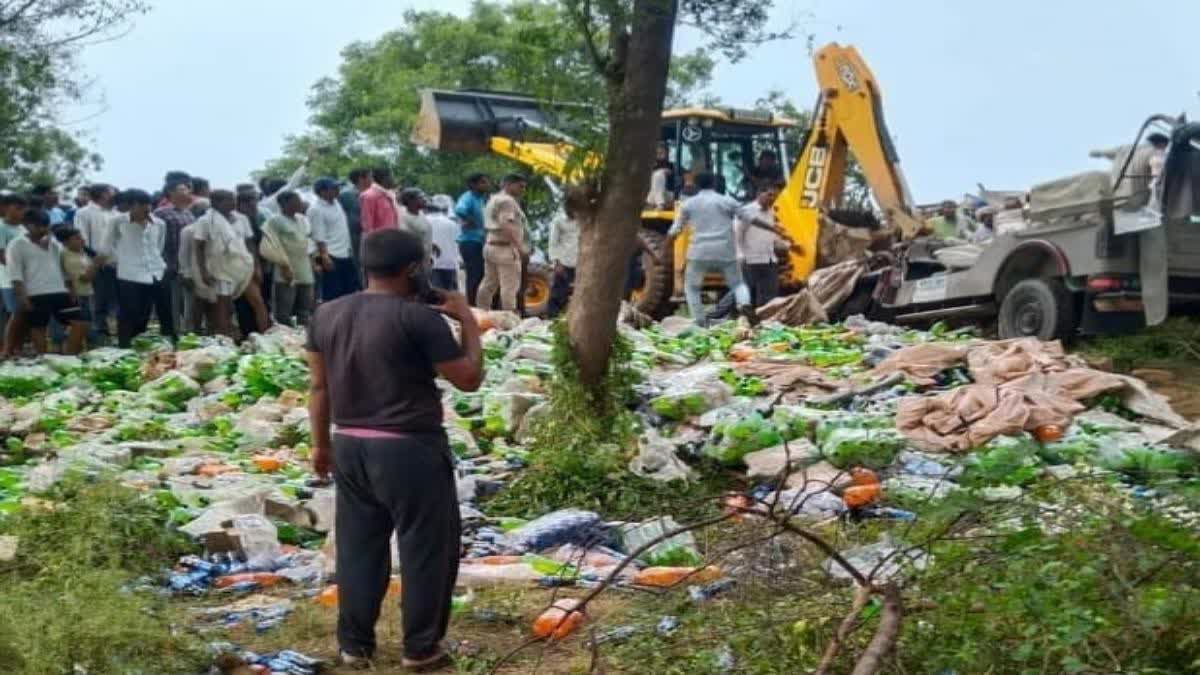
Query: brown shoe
{"type": "Point", "coordinates": [435, 661]}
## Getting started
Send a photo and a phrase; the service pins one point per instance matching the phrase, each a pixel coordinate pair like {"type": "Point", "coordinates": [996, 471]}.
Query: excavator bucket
{"type": "Point", "coordinates": [467, 120]}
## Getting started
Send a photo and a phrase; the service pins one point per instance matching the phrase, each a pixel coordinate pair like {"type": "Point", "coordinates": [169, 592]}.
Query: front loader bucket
{"type": "Point", "coordinates": [466, 121]}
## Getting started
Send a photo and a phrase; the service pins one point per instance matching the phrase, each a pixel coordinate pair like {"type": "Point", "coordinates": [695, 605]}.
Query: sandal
{"type": "Point", "coordinates": [436, 661]}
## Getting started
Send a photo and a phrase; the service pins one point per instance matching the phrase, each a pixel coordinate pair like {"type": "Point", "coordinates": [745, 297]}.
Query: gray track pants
{"type": "Point", "coordinates": [404, 485]}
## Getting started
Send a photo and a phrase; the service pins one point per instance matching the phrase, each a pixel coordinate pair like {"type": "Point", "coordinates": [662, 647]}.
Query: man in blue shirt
{"type": "Point", "coordinates": [48, 196]}
{"type": "Point", "coordinates": [469, 211]}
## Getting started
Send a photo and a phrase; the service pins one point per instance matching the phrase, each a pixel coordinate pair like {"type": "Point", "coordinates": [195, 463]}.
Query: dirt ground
{"type": "Point", "coordinates": [1181, 383]}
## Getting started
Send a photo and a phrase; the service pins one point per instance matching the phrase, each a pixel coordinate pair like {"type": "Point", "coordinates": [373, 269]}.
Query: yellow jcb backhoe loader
{"type": "Point", "coordinates": [848, 117]}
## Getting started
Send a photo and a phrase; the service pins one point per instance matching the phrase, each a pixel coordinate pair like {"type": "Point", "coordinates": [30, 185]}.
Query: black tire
{"type": "Point", "coordinates": [1041, 308]}
{"type": "Point", "coordinates": [654, 296]}
{"type": "Point", "coordinates": [539, 279]}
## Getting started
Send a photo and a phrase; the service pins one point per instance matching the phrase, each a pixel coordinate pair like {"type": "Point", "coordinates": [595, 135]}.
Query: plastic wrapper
{"type": "Point", "coordinates": [502, 413]}
{"type": "Point", "coordinates": [568, 526]}
{"type": "Point", "coordinates": [1005, 460]}
{"type": "Point", "coordinates": [676, 551]}
{"type": "Point", "coordinates": [680, 405]}
{"type": "Point", "coordinates": [149, 344]}
{"type": "Point", "coordinates": [111, 369]}
{"type": "Point", "coordinates": [258, 540]}
{"type": "Point", "coordinates": [816, 505]}
{"type": "Point", "coordinates": [656, 459]}
{"type": "Point", "coordinates": [874, 448]}
{"type": "Point", "coordinates": [691, 392]}
{"type": "Point", "coordinates": [532, 351]}
{"type": "Point", "coordinates": [731, 441]}
{"type": "Point", "coordinates": [866, 558]}
{"type": "Point", "coordinates": [920, 464]}
{"type": "Point", "coordinates": [173, 389]}
{"type": "Point", "coordinates": [63, 364]}
{"type": "Point", "coordinates": [739, 408]}
{"type": "Point", "coordinates": [260, 375]}
{"type": "Point", "coordinates": [279, 340]}
{"type": "Point", "coordinates": [19, 380]}
{"type": "Point", "coordinates": [204, 364]}
{"type": "Point", "coordinates": [921, 487]}
{"type": "Point", "coordinates": [471, 575]}
{"type": "Point", "coordinates": [799, 421]}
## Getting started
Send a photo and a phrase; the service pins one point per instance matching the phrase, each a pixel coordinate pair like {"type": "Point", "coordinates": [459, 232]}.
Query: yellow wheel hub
{"type": "Point", "coordinates": [537, 292]}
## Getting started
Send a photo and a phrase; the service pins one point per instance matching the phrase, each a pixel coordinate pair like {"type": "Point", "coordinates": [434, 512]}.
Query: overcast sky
{"type": "Point", "coordinates": [1007, 94]}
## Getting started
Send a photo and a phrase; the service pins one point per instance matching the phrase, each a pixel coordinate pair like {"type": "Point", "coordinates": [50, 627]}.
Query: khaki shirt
{"type": "Point", "coordinates": [502, 210]}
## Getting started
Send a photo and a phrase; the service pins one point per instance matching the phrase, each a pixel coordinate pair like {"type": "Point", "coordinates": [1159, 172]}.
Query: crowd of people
{"type": "Point", "coordinates": [235, 261]}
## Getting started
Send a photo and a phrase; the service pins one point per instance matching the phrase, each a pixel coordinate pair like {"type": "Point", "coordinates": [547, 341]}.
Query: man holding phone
{"type": "Point", "coordinates": [376, 417]}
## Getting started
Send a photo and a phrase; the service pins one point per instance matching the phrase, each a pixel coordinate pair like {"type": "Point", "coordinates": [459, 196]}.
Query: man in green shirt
{"type": "Point", "coordinates": [945, 224]}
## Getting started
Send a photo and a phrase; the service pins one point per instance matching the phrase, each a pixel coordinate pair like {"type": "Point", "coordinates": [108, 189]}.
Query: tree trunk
{"type": "Point", "coordinates": [637, 87]}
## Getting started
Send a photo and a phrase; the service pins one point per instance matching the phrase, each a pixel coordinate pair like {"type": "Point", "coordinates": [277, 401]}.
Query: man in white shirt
{"type": "Point", "coordinates": [12, 210]}
{"type": "Point", "coordinates": [412, 219]}
{"type": "Point", "coordinates": [224, 267]}
{"type": "Point", "coordinates": [35, 266]}
{"type": "Point", "coordinates": [273, 187]}
{"type": "Point", "coordinates": [757, 237]}
{"type": "Point", "coordinates": [445, 242]}
{"type": "Point", "coordinates": [564, 254]}
{"type": "Point", "coordinates": [331, 233]}
{"type": "Point", "coordinates": [92, 221]}
{"type": "Point", "coordinates": [711, 247]}
{"type": "Point", "coordinates": [135, 243]}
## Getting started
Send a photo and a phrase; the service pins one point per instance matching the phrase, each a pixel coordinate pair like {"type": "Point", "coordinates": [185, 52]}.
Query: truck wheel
{"type": "Point", "coordinates": [1041, 308]}
{"type": "Point", "coordinates": [539, 279]}
{"type": "Point", "coordinates": [654, 296]}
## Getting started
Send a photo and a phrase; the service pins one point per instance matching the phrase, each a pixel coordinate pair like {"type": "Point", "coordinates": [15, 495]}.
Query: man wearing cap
{"type": "Point", "coordinates": [413, 221]}
{"type": "Point", "coordinates": [505, 246]}
{"type": "Point", "coordinates": [331, 233]}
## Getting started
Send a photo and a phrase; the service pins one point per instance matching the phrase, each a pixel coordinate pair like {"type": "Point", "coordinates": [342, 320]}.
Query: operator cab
{"type": "Point", "coordinates": [727, 142]}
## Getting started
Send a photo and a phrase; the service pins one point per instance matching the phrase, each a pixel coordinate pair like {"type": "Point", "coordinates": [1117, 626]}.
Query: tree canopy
{"type": "Point", "coordinates": [40, 42]}
{"type": "Point", "coordinates": [363, 116]}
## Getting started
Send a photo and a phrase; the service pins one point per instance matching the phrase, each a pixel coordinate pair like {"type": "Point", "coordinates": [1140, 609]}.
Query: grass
{"type": "Point", "coordinates": [1176, 340]}
{"type": "Point", "coordinates": [63, 605]}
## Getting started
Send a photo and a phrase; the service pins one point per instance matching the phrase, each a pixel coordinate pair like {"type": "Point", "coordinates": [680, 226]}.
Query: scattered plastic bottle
{"type": "Point", "coordinates": [559, 621]}
{"type": "Point", "coordinates": [858, 496]}
{"type": "Point", "coordinates": [214, 470]}
{"type": "Point", "coordinates": [498, 560]}
{"type": "Point", "coordinates": [261, 579]}
{"type": "Point", "coordinates": [725, 660]}
{"type": "Point", "coordinates": [328, 597]}
{"type": "Point", "coordinates": [460, 603]}
{"type": "Point", "coordinates": [667, 626]}
{"type": "Point", "coordinates": [1048, 433]}
{"type": "Point", "coordinates": [267, 463]}
{"type": "Point", "coordinates": [700, 594]}
{"type": "Point", "coordinates": [888, 513]}
{"type": "Point", "coordinates": [666, 577]}
{"type": "Point", "coordinates": [618, 634]}
{"type": "Point", "coordinates": [863, 476]}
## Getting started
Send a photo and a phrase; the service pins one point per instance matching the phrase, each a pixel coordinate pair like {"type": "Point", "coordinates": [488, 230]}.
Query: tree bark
{"type": "Point", "coordinates": [637, 84]}
{"type": "Point", "coordinates": [884, 641]}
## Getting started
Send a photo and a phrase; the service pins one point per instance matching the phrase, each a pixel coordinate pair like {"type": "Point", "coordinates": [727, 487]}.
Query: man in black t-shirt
{"type": "Point", "coordinates": [373, 358]}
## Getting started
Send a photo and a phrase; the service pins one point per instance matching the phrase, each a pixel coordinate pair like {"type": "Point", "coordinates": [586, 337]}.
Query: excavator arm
{"type": "Point", "coordinates": [848, 118]}
{"type": "Point", "coordinates": [503, 124]}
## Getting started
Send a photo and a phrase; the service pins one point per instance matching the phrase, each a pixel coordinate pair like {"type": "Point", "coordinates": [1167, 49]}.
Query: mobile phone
{"type": "Point", "coordinates": [425, 291]}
